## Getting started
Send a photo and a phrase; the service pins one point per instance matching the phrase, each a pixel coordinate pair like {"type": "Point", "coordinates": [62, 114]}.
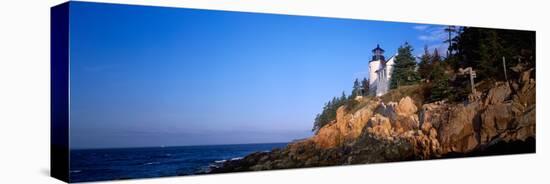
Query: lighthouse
{"type": "Point", "coordinates": [379, 72]}
{"type": "Point", "coordinates": [374, 66]}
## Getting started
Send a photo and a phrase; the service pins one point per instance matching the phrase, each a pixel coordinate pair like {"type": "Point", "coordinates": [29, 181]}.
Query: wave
{"type": "Point", "coordinates": [151, 163]}
{"type": "Point", "coordinates": [220, 161]}
{"type": "Point", "coordinates": [213, 166]}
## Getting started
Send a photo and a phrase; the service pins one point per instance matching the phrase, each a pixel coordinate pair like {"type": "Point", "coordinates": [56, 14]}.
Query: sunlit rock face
{"type": "Point", "coordinates": [395, 131]}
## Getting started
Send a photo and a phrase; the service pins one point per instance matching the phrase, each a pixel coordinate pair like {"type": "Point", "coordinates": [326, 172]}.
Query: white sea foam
{"type": "Point", "coordinates": [151, 163]}
{"type": "Point", "coordinates": [220, 161]}
{"type": "Point", "coordinates": [213, 166]}
{"type": "Point", "coordinates": [237, 158]}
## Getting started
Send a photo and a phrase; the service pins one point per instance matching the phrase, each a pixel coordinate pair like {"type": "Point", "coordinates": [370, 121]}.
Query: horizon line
{"type": "Point", "coordinates": [196, 145]}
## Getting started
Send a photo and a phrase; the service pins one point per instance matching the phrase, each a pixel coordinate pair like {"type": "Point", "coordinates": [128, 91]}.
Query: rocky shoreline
{"type": "Point", "coordinates": [500, 120]}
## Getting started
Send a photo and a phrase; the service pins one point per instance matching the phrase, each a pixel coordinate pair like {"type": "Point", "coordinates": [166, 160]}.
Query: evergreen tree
{"type": "Point", "coordinates": [344, 97]}
{"type": "Point", "coordinates": [436, 58]}
{"type": "Point", "coordinates": [404, 69]}
{"type": "Point", "coordinates": [365, 86]}
{"type": "Point", "coordinates": [441, 88]}
{"type": "Point", "coordinates": [450, 30]}
{"type": "Point", "coordinates": [326, 116]}
{"type": "Point", "coordinates": [356, 89]}
{"type": "Point", "coordinates": [425, 64]}
{"type": "Point", "coordinates": [434, 64]}
{"type": "Point", "coordinates": [329, 112]}
{"type": "Point", "coordinates": [483, 49]}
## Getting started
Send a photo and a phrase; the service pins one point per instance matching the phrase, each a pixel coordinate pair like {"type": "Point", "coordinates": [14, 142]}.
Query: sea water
{"type": "Point", "coordinates": [130, 163]}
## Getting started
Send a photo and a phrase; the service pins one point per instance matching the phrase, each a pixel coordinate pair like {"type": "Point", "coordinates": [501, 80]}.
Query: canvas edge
{"type": "Point", "coordinates": [59, 92]}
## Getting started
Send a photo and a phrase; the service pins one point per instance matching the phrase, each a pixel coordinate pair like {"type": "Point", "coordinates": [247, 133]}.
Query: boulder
{"type": "Point", "coordinates": [402, 115]}
{"type": "Point", "coordinates": [406, 107]}
{"type": "Point", "coordinates": [358, 121]}
{"type": "Point", "coordinates": [495, 119]}
{"type": "Point", "coordinates": [525, 97]}
{"type": "Point", "coordinates": [405, 123]}
{"type": "Point", "coordinates": [387, 110]}
{"type": "Point", "coordinates": [328, 136]}
{"type": "Point", "coordinates": [380, 127]}
{"type": "Point", "coordinates": [434, 114]}
{"type": "Point", "coordinates": [525, 76]}
{"type": "Point", "coordinates": [346, 127]}
{"type": "Point", "coordinates": [526, 127]}
{"type": "Point", "coordinates": [425, 146]}
{"type": "Point", "coordinates": [498, 94]}
{"type": "Point", "coordinates": [458, 134]}
{"type": "Point", "coordinates": [426, 127]}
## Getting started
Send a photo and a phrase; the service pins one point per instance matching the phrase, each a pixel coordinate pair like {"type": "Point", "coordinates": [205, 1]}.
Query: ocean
{"type": "Point", "coordinates": [132, 163]}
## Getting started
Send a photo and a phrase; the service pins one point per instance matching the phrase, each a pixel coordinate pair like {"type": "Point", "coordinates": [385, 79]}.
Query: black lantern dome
{"type": "Point", "coordinates": [378, 53]}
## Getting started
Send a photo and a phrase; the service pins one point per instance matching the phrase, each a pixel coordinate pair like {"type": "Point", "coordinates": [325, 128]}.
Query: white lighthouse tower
{"type": "Point", "coordinates": [375, 65]}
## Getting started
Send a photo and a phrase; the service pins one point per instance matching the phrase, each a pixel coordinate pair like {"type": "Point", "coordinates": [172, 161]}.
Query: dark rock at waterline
{"type": "Point", "coordinates": [363, 154]}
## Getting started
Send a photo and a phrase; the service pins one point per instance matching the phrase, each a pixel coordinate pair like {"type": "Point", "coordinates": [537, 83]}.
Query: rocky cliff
{"type": "Point", "coordinates": [502, 118]}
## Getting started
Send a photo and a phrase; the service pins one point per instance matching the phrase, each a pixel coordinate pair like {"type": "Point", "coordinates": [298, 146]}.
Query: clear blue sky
{"type": "Point", "coordinates": [150, 76]}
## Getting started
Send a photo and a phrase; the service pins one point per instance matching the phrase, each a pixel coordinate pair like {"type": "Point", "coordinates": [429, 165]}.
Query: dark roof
{"type": "Point", "coordinates": [377, 48]}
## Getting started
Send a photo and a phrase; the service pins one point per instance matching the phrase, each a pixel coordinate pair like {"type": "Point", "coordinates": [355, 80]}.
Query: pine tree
{"type": "Point", "coordinates": [365, 86]}
{"type": "Point", "coordinates": [404, 69]}
{"type": "Point", "coordinates": [436, 66]}
{"type": "Point", "coordinates": [329, 112]}
{"type": "Point", "coordinates": [441, 88]}
{"type": "Point", "coordinates": [344, 97]}
{"type": "Point", "coordinates": [483, 49]}
{"type": "Point", "coordinates": [425, 65]}
{"type": "Point", "coordinates": [436, 58]}
{"type": "Point", "coordinates": [356, 89]}
{"type": "Point", "coordinates": [450, 30]}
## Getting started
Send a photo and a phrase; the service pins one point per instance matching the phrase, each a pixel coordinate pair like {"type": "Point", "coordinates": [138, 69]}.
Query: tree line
{"type": "Point", "coordinates": [480, 48]}
{"type": "Point", "coordinates": [360, 88]}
